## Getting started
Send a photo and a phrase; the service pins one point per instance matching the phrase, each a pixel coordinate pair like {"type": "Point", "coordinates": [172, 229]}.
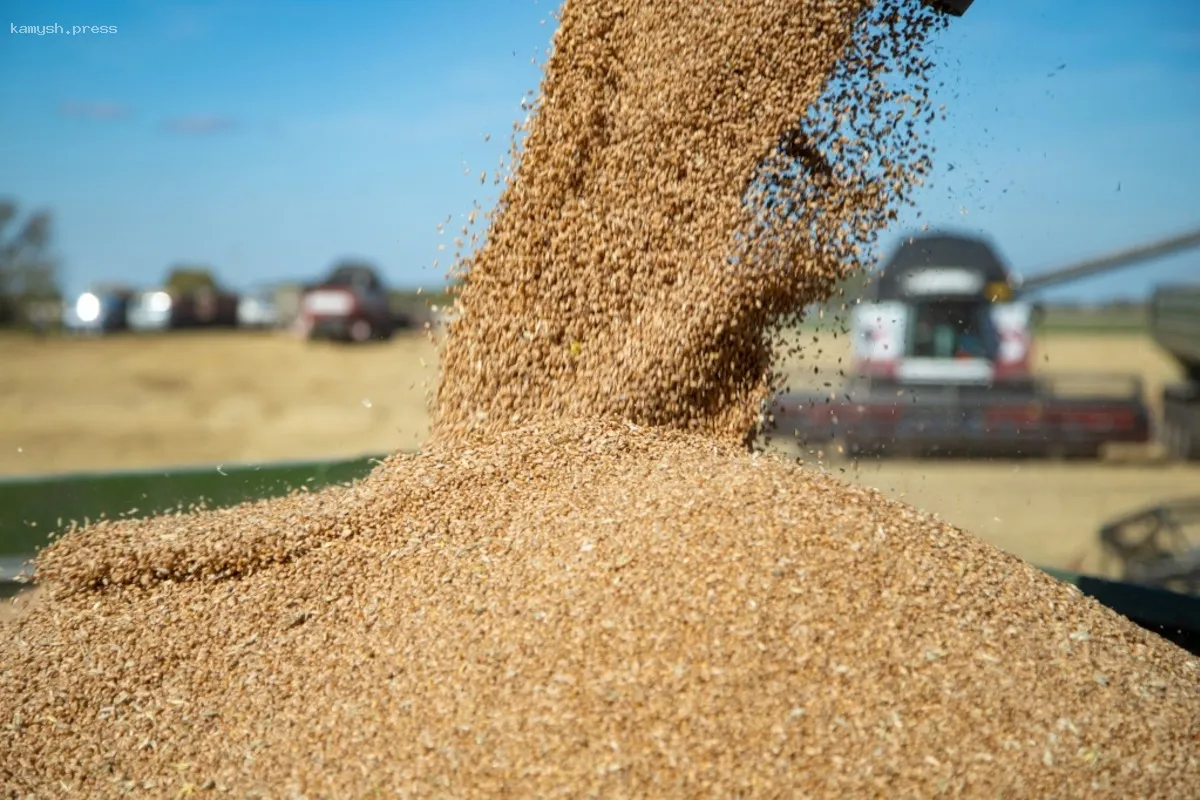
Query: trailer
{"type": "Point", "coordinates": [1174, 322]}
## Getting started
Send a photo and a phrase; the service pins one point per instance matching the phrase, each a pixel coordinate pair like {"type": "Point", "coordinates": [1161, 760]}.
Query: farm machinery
{"type": "Point", "coordinates": [1157, 546]}
{"type": "Point", "coordinates": [350, 305]}
{"type": "Point", "coordinates": [1174, 319]}
{"type": "Point", "coordinates": [100, 310]}
{"type": "Point", "coordinates": [942, 363]}
{"type": "Point", "coordinates": [167, 309]}
{"type": "Point", "coordinates": [942, 357]}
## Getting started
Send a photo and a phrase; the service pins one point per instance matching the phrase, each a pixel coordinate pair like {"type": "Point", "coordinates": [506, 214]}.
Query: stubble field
{"type": "Point", "coordinates": [132, 402]}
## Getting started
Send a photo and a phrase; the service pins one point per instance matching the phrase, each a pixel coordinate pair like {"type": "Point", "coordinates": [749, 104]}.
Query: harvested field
{"type": "Point", "coordinates": [135, 402]}
{"type": "Point", "coordinates": [1046, 513]}
{"type": "Point", "coordinates": [131, 402]}
{"type": "Point", "coordinates": [206, 398]}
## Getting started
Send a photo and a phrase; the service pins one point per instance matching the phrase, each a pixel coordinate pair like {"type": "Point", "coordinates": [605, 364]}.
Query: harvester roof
{"type": "Point", "coordinates": [945, 264]}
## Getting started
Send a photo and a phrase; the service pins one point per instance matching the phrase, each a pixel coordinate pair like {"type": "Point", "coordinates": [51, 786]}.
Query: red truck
{"type": "Point", "coordinates": [351, 305]}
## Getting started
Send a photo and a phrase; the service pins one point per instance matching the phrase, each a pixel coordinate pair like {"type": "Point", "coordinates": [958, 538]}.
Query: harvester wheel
{"type": "Point", "coordinates": [360, 331]}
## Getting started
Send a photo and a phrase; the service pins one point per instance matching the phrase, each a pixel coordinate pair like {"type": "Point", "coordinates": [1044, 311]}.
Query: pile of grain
{"type": "Point", "coordinates": [553, 601]}
{"type": "Point", "coordinates": [583, 608]}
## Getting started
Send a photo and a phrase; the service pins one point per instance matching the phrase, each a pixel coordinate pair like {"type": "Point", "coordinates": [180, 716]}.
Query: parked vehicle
{"type": "Point", "coordinates": [258, 309]}
{"type": "Point", "coordinates": [100, 310]}
{"type": "Point", "coordinates": [350, 305]}
{"type": "Point", "coordinates": [160, 310]}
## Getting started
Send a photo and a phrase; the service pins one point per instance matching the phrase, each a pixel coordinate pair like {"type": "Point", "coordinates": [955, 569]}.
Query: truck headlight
{"type": "Point", "coordinates": [87, 307]}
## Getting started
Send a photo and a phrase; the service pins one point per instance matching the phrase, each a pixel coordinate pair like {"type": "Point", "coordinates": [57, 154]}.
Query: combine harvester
{"type": "Point", "coordinates": [943, 363]}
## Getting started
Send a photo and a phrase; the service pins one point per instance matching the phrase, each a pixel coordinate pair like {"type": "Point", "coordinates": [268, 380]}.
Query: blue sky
{"type": "Point", "coordinates": [271, 138]}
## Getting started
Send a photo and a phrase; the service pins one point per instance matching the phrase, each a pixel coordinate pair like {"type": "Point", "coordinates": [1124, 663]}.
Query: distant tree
{"type": "Point", "coordinates": [188, 278]}
{"type": "Point", "coordinates": [28, 270]}
{"type": "Point", "coordinates": [8, 210]}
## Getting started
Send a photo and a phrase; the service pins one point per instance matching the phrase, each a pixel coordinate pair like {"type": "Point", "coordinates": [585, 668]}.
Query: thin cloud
{"type": "Point", "coordinates": [447, 121]}
{"type": "Point", "coordinates": [94, 110]}
{"type": "Point", "coordinates": [200, 125]}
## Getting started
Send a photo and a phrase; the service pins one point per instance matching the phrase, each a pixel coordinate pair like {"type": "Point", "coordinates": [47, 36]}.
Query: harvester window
{"type": "Point", "coordinates": [953, 330]}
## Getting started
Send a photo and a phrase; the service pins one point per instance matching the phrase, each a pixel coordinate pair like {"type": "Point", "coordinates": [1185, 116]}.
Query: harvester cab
{"type": "Point", "coordinates": [944, 311]}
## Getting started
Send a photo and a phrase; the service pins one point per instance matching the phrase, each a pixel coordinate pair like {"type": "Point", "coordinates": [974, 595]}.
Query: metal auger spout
{"type": "Point", "coordinates": [955, 8]}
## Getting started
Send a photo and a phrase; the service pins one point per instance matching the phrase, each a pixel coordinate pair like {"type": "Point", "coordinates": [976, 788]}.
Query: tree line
{"type": "Point", "coordinates": [29, 278]}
